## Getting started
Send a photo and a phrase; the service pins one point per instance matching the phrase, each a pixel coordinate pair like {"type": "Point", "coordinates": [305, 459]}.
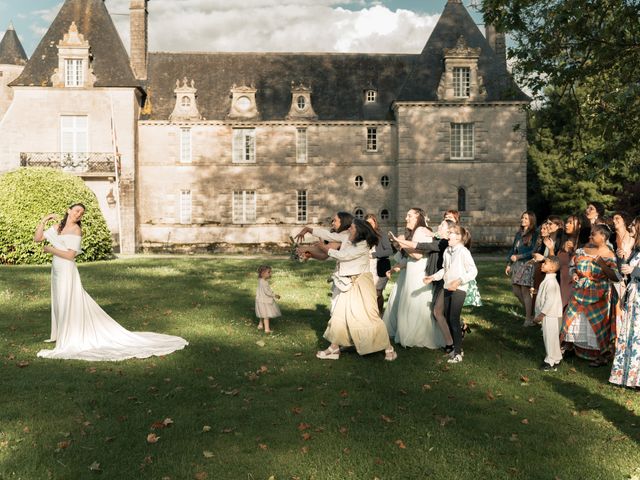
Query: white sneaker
{"type": "Point", "coordinates": [457, 358]}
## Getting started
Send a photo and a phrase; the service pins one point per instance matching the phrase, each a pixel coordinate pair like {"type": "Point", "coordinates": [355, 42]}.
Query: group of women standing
{"type": "Point", "coordinates": [362, 270]}
{"type": "Point", "coordinates": [599, 274]}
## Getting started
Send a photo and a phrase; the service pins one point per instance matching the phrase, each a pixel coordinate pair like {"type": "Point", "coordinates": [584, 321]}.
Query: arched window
{"type": "Point", "coordinates": [385, 181]}
{"type": "Point", "coordinates": [302, 103]}
{"type": "Point", "coordinates": [462, 199]}
{"type": "Point", "coordinates": [384, 214]}
{"type": "Point", "coordinates": [186, 101]}
{"type": "Point", "coordinates": [359, 213]}
{"type": "Point", "coordinates": [358, 181]}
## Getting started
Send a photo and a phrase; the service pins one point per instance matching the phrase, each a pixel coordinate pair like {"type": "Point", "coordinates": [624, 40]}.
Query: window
{"type": "Point", "coordinates": [462, 199]}
{"type": "Point", "coordinates": [359, 213]}
{"type": "Point", "coordinates": [384, 214]}
{"type": "Point", "coordinates": [358, 181]}
{"type": "Point", "coordinates": [185, 206]}
{"type": "Point", "coordinates": [186, 102]}
{"type": "Point", "coordinates": [301, 102]}
{"type": "Point", "coordinates": [371, 96]}
{"type": "Point", "coordinates": [385, 181]}
{"type": "Point", "coordinates": [461, 82]}
{"type": "Point", "coordinates": [372, 139]}
{"type": "Point", "coordinates": [302, 205]}
{"type": "Point", "coordinates": [73, 73]}
{"type": "Point", "coordinates": [244, 145]}
{"type": "Point", "coordinates": [301, 145]}
{"type": "Point", "coordinates": [244, 206]}
{"type": "Point", "coordinates": [462, 141]}
{"type": "Point", "coordinates": [74, 139]}
{"type": "Point", "coordinates": [185, 145]}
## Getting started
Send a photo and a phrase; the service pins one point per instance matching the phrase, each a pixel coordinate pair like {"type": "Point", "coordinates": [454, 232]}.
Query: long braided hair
{"type": "Point", "coordinates": [66, 216]}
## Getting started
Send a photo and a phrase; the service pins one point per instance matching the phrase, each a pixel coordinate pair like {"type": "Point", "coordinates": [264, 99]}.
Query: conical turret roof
{"type": "Point", "coordinates": [11, 51]}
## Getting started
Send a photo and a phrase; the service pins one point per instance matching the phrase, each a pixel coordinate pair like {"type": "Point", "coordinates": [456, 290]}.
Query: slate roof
{"type": "Point", "coordinates": [11, 51]}
{"type": "Point", "coordinates": [110, 60]}
{"type": "Point", "coordinates": [338, 82]}
{"type": "Point", "coordinates": [455, 21]}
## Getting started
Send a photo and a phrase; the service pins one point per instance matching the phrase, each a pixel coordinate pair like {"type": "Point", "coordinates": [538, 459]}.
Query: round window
{"type": "Point", "coordinates": [186, 101]}
{"type": "Point", "coordinates": [385, 181]}
{"type": "Point", "coordinates": [302, 102]}
{"type": "Point", "coordinates": [243, 103]}
{"type": "Point", "coordinates": [359, 213]}
{"type": "Point", "coordinates": [384, 214]}
{"type": "Point", "coordinates": [359, 181]}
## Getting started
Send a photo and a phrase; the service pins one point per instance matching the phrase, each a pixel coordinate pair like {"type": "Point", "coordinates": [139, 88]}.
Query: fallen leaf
{"type": "Point", "coordinates": [26, 430]}
{"type": "Point", "coordinates": [207, 454]}
{"type": "Point", "coordinates": [344, 393]}
{"type": "Point", "coordinates": [304, 449]}
{"type": "Point", "coordinates": [524, 379]}
{"type": "Point", "coordinates": [425, 387]}
{"type": "Point", "coordinates": [386, 419]}
{"type": "Point", "coordinates": [444, 420]}
{"type": "Point", "coordinates": [206, 428]}
{"type": "Point", "coordinates": [303, 426]}
{"type": "Point", "coordinates": [152, 438]}
{"type": "Point", "coordinates": [64, 444]}
{"type": "Point", "coordinates": [22, 364]}
{"type": "Point", "coordinates": [227, 430]}
{"type": "Point", "coordinates": [400, 444]}
{"type": "Point", "coordinates": [343, 430]}
{"type": "Point", "coordinates": [346, 451]}
{"type": "Point", "coordinates": [147, 460]}
{"type": "Point", "coordinates": [531, 400]}
{"type": "Point", "coordinates": [297, 354]}
{"type": "Point", "coordinates": [490, 395]}
{"type": "Point", "coordinates": [296, 410]}
{"type": "Point", "coordinates": [157, 426]}
{"type": "Point", "coordinates": [403, 392]}
{"type": "Point", "coordinates": [262, 446]}
{"type": "Point", "coordinates": [263, 369]}
{"type": "Point", "coordinates": [167, 422]}
{"type": "Point", "coordinates": [472, 384]}
{"type": "Point", "coordinates": [524, 421]}
{"type": "Point", "coordinates": [200, 476]}
{"type": "Point", "coordinates": [260, 343]}
{"type": "Point", "coordinates": [306, 436]}
{"type": "Point", "coordinates": [514, 437]}
{"type": "Point", "coordinates": [95, 467]}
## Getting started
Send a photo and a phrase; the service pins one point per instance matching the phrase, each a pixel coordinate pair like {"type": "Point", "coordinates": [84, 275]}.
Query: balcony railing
{"type": "Point", "coordinates": [83, 164]}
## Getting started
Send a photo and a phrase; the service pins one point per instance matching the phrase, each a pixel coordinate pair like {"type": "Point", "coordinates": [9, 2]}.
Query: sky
{"type": "Point", "coordinates": [367, 26]}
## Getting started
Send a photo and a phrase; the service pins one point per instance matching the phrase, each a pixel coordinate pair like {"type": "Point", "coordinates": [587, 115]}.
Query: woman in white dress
{"type": "Point", "coordinates": [408, 314]}
{"type": "Point", "coordinates": [80, 328]}
{"type": "Point", "coordinates": [355, 320]}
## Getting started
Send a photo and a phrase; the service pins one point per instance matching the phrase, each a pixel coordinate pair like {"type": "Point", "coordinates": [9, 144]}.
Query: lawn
{"type": "Point", "coordinates": [236, 404]}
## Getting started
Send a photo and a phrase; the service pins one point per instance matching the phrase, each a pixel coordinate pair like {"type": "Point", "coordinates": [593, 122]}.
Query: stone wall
{"type": "Point", "coordinates": [8, 73]}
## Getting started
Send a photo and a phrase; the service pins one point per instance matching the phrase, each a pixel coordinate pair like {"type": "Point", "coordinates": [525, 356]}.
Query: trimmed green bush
{"type": "Point", "coordinates": [27, 195]}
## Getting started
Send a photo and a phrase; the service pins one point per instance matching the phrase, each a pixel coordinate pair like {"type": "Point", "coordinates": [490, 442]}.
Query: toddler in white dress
{"type": "Point", "coordinates": [266, 306]}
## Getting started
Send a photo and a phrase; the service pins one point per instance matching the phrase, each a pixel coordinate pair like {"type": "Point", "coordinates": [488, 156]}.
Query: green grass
{"type": "Point", "coordinates": [275, 410]}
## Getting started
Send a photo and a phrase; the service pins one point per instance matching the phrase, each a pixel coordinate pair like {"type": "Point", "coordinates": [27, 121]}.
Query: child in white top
{"type": "Point", "coordinates": [266, 306]}
{"type": "Point", "coordinates": [549, 313]}
{"type": "Point", "coordinates": [458, 269]}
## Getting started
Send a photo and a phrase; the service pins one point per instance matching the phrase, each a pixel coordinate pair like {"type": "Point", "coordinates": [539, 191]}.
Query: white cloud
{"type": "Point", "coordinates": [276, 26]}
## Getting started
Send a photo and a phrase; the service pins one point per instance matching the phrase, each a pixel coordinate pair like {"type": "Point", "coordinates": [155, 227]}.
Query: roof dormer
{"type": "Point", "coordinates": [460, 79]}
{"type": "Point", "coordinates": [301, 107]}
{"type": "Point", "coordinates": [186, 107]}
{"type": "Point", "coordinates": [74, 57]}
{"type": "Point", "coordinates": [243, 103]}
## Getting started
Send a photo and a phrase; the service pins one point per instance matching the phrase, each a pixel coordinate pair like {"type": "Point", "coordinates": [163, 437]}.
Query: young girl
{"type": "Point", "coordinates": [458, 269]}
{"type": "Point", "coordinates": [266, 307]}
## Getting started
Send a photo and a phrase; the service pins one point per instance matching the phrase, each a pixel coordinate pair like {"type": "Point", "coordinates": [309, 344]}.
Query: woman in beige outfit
{"type": "Point", "coordinates": [355, 320]}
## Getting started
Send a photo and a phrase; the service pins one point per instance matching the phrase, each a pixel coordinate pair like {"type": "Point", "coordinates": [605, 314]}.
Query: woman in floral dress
{"type": "Point", "coordinates": [626, 362]}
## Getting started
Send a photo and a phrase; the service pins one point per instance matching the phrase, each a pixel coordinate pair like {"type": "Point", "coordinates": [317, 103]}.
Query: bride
{"type": "Point", "coordinates": [80, 328]}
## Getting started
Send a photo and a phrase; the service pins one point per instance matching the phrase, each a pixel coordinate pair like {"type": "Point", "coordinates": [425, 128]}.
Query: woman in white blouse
{"type": "Point", "coordinates": [355, 320]}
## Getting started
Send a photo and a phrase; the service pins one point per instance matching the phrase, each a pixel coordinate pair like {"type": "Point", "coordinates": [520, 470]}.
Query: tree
{"type": "Point", "coordinates": [587, 53]}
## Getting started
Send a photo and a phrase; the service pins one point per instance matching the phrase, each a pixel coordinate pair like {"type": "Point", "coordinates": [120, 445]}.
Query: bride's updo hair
{"type": "Point", "coordinates": [66, 215]}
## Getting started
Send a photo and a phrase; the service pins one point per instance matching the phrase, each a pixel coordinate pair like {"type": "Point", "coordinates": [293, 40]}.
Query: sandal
{"type": "Point", "coordinates": [328, 354]}
{"type": "Point", "coordinates": [390, 355]}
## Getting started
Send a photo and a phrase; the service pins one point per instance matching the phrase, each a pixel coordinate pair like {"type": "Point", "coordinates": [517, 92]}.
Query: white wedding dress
{"type": "Point", "coordinates": [81, 329]}
{"type": "Point", "coordinates": [408, 315]}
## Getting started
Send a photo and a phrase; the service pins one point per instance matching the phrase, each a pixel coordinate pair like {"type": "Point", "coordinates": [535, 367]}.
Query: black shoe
{"type": "Point", "coordinates": [448, 349]}
{"type": "Point", "coordinates": [545, 367]}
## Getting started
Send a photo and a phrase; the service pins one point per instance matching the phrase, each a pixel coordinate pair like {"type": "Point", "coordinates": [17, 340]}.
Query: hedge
{"type": "Point", "coordinates": [27, 195]}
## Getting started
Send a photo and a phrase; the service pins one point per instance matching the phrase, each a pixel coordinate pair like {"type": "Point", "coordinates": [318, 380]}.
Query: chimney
{"type": "Point", "coordinates": [139, 38]}
{"type": "Point", "coordinates": [497, 42]}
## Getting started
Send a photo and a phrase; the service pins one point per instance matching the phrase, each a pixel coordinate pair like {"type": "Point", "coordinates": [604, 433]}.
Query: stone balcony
{"type": "Point", "coordinates": [86, 164]}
